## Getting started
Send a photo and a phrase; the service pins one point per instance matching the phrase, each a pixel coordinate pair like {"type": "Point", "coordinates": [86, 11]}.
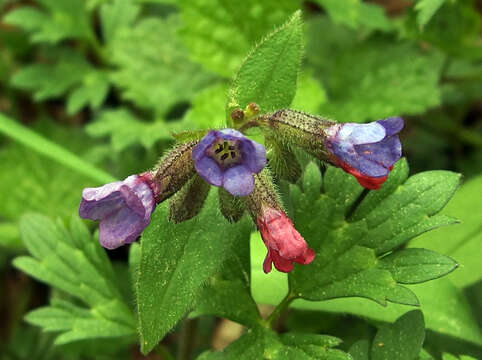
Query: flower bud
{"type": "Point", "coordinates": [232, 207]}
{"type": "Point", "coordinates": [174, 170]}
{"type": "Point", "coordinates": [284, 243]}
{"type": "Point", "coordinates": [188, 201]}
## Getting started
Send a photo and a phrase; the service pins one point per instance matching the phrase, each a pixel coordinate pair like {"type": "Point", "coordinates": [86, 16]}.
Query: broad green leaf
{"type": "Point", "coordinates": [445, 309]}
{"type": "Point", "coordinates": [355, 13]}
{"type": "Point", "coordinates": [426, 10]}
{"type": "Point", "coordinates": [390, 77]}
{"type": "Point", "coordinates": [347, 251]}
{"type": "Point", "coordinates": [176, 260]}
{"type": "Point", "coordinates": [117, 15]}
{"type": "Point", "coordinates": [125, 129]}
{"type": "Point", "coordinates": [220, 33]}
{"type": "Point", "coordinates": [401, 340]}
{"type": "Point", "coordinates": [72, 261]}
{"type": "Point", "coordinates": [411, 266]}
{"type": "Point", "coordinates": [43, 146]}
{"type": "Point", "coordinates": [268, 75]}
{"type": "Point", "coordinates": [153, 69]}
{"type": "Point", "coordinates": [58, 20]}
{"type": "Point", "coordinates": [262, 343]}
{"type": "Point", "coordinates": [461, 242]}
{"type": "Point", "coordinates": [228, 293]}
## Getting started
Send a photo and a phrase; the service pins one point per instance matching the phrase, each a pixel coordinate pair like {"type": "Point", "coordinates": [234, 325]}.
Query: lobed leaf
{"type": "Point", "coordinates": [72, 261]}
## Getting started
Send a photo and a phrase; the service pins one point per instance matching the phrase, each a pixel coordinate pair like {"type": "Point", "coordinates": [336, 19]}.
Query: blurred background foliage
{"type": "Point", "coordinates": [110, 80]}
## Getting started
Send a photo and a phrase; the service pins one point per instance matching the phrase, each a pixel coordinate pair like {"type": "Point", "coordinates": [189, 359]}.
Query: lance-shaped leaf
{"type": "Point", "coordinates": [176, 260]}
{"type": "Point", "coordinates": [268, 75]}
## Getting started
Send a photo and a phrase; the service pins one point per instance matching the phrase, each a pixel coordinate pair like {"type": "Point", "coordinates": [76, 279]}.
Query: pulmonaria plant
{"type": "Point", "coordinates": [227, 158]}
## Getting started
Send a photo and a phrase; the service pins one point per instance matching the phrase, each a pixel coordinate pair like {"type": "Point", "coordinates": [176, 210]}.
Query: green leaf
{"type": "Point", "coordinates": [72, 261]}
{"type": "Point", "coordinates": [220, 33]}
{"type": "Point", "coordinates": [51, 150]}
{"type": "Point", "coordinates": [126, 130]}
{"type": "Point", "coordinates": [52, 80]}
{"type": "Point", "coordinates": [91, 92]}
{"type": "Point", "coordinates": [261, 343]}
{"type": "Point", "coordinates": [348, 245]}
{"type": "Point", "coordinates": [411, 266]}
{"type": "Point", "coordinates": [445, 308]}
{"type": "Point", "coordinates": [401, 340]}
{"type": "Point", "coordinates": [426, 10]}
{"type": "Point", "coordinates": [355, 13]}
{"type": "Point", "coordinates": [116, 16]}
{"type": "Point", "coordinates": [228, 293]}
{"type": "Point", "coordinates": [274, 64]}
{"type": "Point", "coordinates": [154, 70]}
{"type": "Point", "coordinates": [176, 260]}
{"type": "Point", "coordinates": [390, 78]}
{"type": "Point", "coordinates": [59, 20]}
{"type": "Point", "coordinates": [461, 242]}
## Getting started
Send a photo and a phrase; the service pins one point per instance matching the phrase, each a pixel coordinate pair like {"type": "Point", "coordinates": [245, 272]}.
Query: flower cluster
{"type": "Point", "coordinates": [229, 160]}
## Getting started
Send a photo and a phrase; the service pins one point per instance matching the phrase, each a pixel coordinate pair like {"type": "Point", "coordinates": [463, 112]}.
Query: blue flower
{"type": "Point", "coordinates": [229, 159]}
{"type": "Point", "coordinates": [367, 151]}
{"type": "Point", "coordinates": [123, 208]}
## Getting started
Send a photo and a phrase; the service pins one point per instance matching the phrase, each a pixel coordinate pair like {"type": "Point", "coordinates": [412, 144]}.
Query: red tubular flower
{"type": "Point", "coordinates": [285, 244]}
{"type": "Point", "coordinates": [368, 182]}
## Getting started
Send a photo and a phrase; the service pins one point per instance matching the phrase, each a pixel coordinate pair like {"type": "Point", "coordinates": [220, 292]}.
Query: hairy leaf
{"type": "Point", "coordinates": [176, 260]}
{"type": "Point", "coordinates": [274, 64]}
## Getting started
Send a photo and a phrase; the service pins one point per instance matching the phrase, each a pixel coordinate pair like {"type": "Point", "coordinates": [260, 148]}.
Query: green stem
{"type": "Point", "coordinates": [163, 352]}
{"type": "Point", "coordinates": [280, 309]}
{"type": "Point", "coordinates": [188, 339]}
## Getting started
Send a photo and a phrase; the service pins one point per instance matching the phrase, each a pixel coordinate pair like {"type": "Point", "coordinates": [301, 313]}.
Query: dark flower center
{"type": "Point", "coordinates": [226, 153]}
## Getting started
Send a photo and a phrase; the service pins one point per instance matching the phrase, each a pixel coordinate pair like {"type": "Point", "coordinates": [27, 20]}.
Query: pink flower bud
{"type": "Point", "coordinates": [285, 244]}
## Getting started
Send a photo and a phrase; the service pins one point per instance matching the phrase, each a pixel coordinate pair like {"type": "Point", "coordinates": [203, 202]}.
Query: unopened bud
{"type": "Point", "coordinates": [174, 170]}
{"type": "Point", "coordinates": [231, 207]}
{"type": "Point", "coordinates": [284, 243]}
{"type": "Point", "coordinates": [251, 110]}
{"type": "Point", "coordinates": [237, 115]}
{"type": "Point", "coordinates": [188, 201]}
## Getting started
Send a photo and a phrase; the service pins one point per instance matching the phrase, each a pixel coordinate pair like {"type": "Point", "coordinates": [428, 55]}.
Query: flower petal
{"type": "Point", "coordinates": [392, 125]}
{"type": "Point", "coordinates": [254, 155]}
{"type": "Point", "coordinates": [200, 149]}
{"type": "Point", "coordinates": [238, 181]}
{"type": "Point", "coordinates": [230, 134]}
{"type": "Point", "coordinates": [120, 228]}
{"type": "Point", "coordinates": [360, 133]}
{"type": "Point", "coordinates": [385, 153]}
{"type": "Point", "coordinates": [209, 170]}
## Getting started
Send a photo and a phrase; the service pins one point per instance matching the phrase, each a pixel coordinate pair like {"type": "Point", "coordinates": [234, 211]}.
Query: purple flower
{"type": "Point", "coordinates": [367, 151]}
{"type": "Point", "coordinates": [229, 159]}
{"type": "Point", "coordinates": [123, 208]}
